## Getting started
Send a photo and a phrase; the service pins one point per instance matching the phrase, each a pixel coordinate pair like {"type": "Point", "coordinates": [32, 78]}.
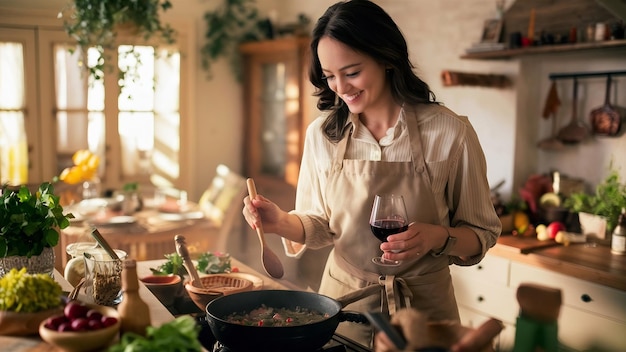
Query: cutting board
{"type": "Point", "coordinates": [521, 244]}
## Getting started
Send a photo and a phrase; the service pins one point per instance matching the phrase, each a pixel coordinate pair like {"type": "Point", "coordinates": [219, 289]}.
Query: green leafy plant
{"type": "Point", "coordinates": [232, 23]}
{"type": "Point", "coordinates": [180, 334]}
{"type": "Point", "coordinates": [607, 201]}
{"type": "Point", "coordinates": [95, 23]}
{"type": "Point", "coordinates": [30, 222]}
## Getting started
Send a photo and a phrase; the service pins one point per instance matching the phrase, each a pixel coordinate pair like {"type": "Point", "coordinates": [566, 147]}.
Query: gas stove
{"type": "Point", "coordinates": [337, 343]}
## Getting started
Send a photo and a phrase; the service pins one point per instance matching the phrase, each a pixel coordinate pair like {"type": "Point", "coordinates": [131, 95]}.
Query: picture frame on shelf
{"type": "Point", "coordinates": [492, 31]}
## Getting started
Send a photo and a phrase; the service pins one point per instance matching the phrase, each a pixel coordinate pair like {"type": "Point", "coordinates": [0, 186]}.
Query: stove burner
{"type": "Point", "coordinates": [338, 343]}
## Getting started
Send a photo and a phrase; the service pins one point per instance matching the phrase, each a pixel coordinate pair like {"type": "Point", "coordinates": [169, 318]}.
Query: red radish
{"type": "Point", "coordinates": [554, 228]}
{"type": "Point", "coordinates": [74, 310]}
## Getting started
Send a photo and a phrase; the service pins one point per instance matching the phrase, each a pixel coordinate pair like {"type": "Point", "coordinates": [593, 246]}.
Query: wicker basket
{"type": "Point", "coordinates": [214, 286]}
{"type": "Point", "coordinates": [225, 283]}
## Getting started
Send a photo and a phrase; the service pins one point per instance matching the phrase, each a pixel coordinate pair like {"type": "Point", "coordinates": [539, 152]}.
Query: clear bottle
{"type": "Point", "coordinates": [618, 240]}
{"type": "Point", "coordinates": [134, 312]}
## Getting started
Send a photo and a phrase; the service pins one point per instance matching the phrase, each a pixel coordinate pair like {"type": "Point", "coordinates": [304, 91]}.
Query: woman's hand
{"type": "Point", "coordinates": [420, 334]}
{"type": "Point", "coordinates": [260, 211]}
{"type": "Point", "coordinates": [417, 240]}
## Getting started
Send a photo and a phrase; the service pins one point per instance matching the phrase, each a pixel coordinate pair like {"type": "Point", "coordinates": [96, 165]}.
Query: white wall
{"type": "Point", "coordinates": [507, 121]}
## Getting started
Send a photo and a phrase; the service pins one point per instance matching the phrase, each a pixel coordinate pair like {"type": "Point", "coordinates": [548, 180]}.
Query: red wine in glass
{"type": "Point", "coordinates": [386, 227]}
{"type": "Point", "coordinates": [388, 217]}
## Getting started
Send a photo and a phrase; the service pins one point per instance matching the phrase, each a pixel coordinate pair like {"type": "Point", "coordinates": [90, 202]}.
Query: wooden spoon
{"type": "Point", "coordinates": [103, 243]}
{"type": "Point", "coordinates": [181, 248]}
{"type": "Point", "coordinates": [272, 265]}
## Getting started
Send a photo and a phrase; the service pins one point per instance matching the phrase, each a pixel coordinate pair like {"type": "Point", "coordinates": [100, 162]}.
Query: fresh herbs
{"type": "Point", "coordinates": [608, 200]}
{"type": "Point", "coordinates": [30, 222]}
{"type": "Point", "coordinates": [173, 265]}
{"type": "Point", "coordinates": [180, 334]}
{"type": "Point", "coordinates": [208, 263]}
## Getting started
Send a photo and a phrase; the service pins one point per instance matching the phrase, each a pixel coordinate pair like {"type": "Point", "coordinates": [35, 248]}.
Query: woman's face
{"type": "Point", "coordinates": [357, 79]}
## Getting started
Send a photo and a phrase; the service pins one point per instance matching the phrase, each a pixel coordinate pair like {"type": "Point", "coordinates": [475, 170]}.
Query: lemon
{"type": "Point", "coordinates": [549, 200]}
{"type": "Point", "coordinates": [71, 175]}
{"type": "Point", "coordinates": [81, 156]}
{"type": "Point", "coordinates": [520, 221]}
{"type": "Point", "coordinates": [93, 162]}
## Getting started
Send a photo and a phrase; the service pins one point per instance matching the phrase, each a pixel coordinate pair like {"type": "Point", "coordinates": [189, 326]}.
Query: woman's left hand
{"type": "Point", "coordinates": [419, 239]}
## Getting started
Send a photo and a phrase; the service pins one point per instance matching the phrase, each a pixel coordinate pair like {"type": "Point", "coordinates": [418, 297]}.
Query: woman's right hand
{"type": "Point", "coordinates": [260, 211]}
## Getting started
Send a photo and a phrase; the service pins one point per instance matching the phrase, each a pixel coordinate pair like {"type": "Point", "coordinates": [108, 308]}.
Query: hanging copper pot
{"type": "Point", "coordinates": [607, 119]}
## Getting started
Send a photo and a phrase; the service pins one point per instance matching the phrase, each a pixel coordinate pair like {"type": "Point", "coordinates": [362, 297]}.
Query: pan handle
{"type": "Point", "coordinates": [353, 317]}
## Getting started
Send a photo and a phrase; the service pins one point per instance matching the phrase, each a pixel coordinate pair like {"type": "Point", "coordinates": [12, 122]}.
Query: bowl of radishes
{"type": "Point", "coordinates": [81, 327]}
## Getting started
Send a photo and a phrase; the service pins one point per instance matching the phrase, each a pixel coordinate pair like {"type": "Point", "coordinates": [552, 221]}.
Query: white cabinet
{"type": "Point", "coordinates": [482, 292]}
{"type": "Point", "coordinates": [592, 317]}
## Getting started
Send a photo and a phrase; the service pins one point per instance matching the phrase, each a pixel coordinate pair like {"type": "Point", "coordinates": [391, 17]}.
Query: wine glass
{"type": "Point", "coordinates": [388, 217]}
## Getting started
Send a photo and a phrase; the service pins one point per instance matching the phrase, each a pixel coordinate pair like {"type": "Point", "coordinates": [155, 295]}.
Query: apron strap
{"type": "Point", "coordinates": [394, 301]}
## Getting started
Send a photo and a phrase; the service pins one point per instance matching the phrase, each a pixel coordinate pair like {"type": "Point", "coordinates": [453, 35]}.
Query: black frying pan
{"type": "Point", "coordinates": [308, 337]}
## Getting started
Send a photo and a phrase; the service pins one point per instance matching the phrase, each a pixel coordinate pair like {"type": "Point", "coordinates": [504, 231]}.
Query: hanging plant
{"type": "Point", "coordinates": [96, 23]}
{"type": "Point", "coordinates": [232, 23]}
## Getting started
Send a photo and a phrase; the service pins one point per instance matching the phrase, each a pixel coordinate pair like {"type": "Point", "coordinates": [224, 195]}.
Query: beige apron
{"type": "Point", "coordinates": [424, 282]}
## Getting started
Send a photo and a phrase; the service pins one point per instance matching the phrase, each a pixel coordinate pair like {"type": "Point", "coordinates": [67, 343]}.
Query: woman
{"type": "Point", "coordinates": [383, 132]}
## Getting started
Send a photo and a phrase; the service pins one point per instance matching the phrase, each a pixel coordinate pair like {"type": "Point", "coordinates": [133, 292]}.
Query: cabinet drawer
{"type": "Point", "coordinates": [577, 293]}
{"type": "Point", "coordinates": [491, 269]}
{"type": "Point", "coordinates": [584, 331]}
{"type": "Point", "coordinates": [492, 300]}
{"type": "Point", "coordinates": [473, 319]}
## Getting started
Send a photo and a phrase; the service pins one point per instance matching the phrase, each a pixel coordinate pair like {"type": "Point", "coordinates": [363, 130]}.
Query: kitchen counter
{"type": "Point", "coordinates": [158, 314]}
{"type": "Point", "coordinates": [585, 261]}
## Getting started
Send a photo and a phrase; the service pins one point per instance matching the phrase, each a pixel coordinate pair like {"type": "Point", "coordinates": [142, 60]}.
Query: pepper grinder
{"type": "Point", "coordinates": [134, 312]}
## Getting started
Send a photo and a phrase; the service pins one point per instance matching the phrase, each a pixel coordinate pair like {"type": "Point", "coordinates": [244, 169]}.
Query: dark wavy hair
{"type": "Point", "coordinates": [368, 29]}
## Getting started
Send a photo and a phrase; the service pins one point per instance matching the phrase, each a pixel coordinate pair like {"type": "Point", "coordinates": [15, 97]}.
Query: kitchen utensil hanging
{"type": "Point", "coordinates": [606, 120]}
{"type": "Point", "coordinates": [550, 111]}
{"type": "Point", "coordinates": [574, 132]}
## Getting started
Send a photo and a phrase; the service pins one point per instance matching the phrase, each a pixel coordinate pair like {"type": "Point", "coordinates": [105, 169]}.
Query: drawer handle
{"type": "Point", "coordinates": [481, 298]}
{"type": "Point", "coordinates": [586, 298]}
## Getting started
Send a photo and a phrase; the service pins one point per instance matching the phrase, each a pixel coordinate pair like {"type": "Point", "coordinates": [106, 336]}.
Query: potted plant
{"type": "Point", "coordinates": [29, 228]}
{"type": "Point", "coordinates": [96, 23]}
{"type": "Point", "coordinates": [607, 202]}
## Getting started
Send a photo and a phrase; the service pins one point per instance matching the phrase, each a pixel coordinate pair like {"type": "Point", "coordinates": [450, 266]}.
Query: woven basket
{"type": "Point", "coordinates": [214, 286]}
{"type": "Point", "coordinates": [225, 283]}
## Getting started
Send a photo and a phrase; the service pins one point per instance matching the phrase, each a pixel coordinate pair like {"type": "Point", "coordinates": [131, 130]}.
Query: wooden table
{"type": "Point", "coordinates": [150, 237]}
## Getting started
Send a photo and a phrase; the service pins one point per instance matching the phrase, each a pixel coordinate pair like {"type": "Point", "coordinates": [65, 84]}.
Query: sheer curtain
{"type": "Point", "coordinates": [13, 142]}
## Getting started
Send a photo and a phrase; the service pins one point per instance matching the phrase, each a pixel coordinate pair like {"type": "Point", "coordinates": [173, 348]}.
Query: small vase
{"type": "Point", "coordinates": [36, 264]}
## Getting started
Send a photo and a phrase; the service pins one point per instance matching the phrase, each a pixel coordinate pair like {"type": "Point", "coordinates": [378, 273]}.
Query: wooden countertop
{"type": "Point", "coordinates": [585, 261]}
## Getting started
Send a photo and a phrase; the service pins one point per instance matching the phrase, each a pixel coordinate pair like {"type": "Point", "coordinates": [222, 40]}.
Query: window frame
{"type": "Point", "coordinates": [40, 106]}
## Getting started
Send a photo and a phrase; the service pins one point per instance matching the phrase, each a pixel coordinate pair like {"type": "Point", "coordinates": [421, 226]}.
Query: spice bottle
{"type": "Point", "coordinates": [134, 312]}
{"type": "Point", "coordinates": [618, 240]}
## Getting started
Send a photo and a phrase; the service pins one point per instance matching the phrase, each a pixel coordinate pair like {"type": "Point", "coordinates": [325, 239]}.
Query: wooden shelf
{"type": "Point", "coordinates": [545, 49]}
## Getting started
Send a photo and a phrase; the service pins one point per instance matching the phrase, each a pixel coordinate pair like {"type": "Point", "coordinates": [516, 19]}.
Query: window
{"type": "Point", "coordinates": [134, 126]}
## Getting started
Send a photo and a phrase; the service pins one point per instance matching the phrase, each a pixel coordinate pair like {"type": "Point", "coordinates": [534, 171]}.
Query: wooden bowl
{"type": "Point", "coordinates": [164, 287]}
{"type": "Point", "coordinates": [81, 341]}
{"type": "Point", "coordinates": [23, 324]}
{"type": "Point", "coordinates": [214, 286]}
